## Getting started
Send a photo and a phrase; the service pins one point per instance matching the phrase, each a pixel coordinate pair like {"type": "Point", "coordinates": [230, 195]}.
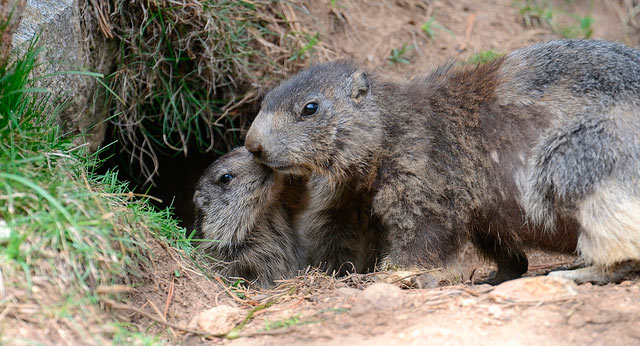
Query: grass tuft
{"type": "Point", "coordinates": [483, 57]}
{"type": "Point", "coordinates": [431, 24]}
{"type": "Point", "coordinates": [282, 324]}
{"type": "Point", "coordinates": [560, 20]}
{"type": "Point", "coordinates": [398, 54]}
{"type": "Point", "coordinates": [185, 67]}
{"type": "Point", "coordinates": [66, 230]}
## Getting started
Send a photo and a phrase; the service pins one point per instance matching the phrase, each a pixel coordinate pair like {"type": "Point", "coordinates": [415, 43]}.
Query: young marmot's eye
{"type": "Point", "coordinates": [226, 178]}
{"type": "Point", "coordinates": [309, 109]}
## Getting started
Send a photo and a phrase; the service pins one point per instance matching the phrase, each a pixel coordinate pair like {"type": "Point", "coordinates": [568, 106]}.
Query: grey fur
{"type": "Point", "coordinates": [247, 220]}
{"type": "Point", "coordinates": [585, 84]}
{"type": "Point", "coordinates": [547, 134]}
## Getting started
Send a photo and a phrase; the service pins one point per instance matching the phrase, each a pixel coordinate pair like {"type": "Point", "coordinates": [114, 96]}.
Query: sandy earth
{"type": "Point", "coordinates": [464, 314]}
{"type": "Point", "coordinates": [321, 310]}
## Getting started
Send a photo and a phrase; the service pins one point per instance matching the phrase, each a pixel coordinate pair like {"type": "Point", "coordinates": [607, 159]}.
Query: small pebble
{"type": "Point", "coordinates": [219, 320]}
{"type": "Point", "coordinates": [5, 231]}
{"type": "Point", "coordinates": [534, 289]}
{"type": "Point", "coordinates": [380, 296]}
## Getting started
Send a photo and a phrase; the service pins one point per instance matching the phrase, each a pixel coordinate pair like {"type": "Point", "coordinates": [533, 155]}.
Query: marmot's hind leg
{"type": "Point", "coordinates": [508, 269]}
{"type": "Point", "coordinates": [609, 240]}
{"type": "Point", "coordinates": [511, 260]}
{"type": "Point", "coordinates": [599, 274]}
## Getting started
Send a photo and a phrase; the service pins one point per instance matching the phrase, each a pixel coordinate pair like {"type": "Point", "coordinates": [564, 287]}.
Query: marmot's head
{"type": "Point", "coordinates": [231, 196]}
{"type": "Point", "coordinates": [323, 119]}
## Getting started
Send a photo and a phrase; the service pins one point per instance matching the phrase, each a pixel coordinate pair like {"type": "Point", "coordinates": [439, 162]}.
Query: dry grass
{"type": "Point", "coordinates": [186, 68]}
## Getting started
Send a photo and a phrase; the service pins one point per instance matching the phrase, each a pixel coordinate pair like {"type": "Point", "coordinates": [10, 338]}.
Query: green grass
{"type": "Point", "coordinates": [534, 11]}
{"type": "Point", "coordinates": [584, 28]}
{"type": "Point", "coordinates": [284, 323]}
{"type": "Point", "coordinates": [312, 42]}
{"type": "Point", "coordinates": [68, 226]}
{"type": "Point", "coordinates": [431, 24]}
{"type": "Point", "coordinates": [561, 21]}
{"type": "Point", "coordinates": [298, 319]}
{"type": "Point", "coordinates": [483, 57]}
{"type": "Point", "coordinates": [398, 54]}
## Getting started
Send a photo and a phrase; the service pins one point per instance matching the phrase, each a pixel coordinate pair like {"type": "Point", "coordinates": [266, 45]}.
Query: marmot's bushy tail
{"type": "Point", "coordinates": [566, 165]}
{"type": "Point", "coordinates": [538, 197]}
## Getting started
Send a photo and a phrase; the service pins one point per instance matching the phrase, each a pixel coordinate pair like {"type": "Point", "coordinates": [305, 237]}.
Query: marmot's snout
{"type": "Point", "coordinates": [255, 149]}
{"type": "Point", "coordinates": [254, 144]}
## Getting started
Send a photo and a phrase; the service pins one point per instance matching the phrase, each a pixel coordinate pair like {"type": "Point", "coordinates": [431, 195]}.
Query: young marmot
{"type": "Point", "coordinates": [532, 148]}
{"type": "Point", "coordinates": [244, 210]}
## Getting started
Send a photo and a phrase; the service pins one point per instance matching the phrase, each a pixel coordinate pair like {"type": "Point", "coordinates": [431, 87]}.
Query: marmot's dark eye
{"type": "Point", "coordinates": [226, 178]}
{"type": "Point", "coordinates": [309, 109]}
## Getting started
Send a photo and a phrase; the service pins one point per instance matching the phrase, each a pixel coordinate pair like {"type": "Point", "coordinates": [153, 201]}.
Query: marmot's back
{"type": "Point", "coordinates": [569, 75]}
{"type": "Point", "coordinates": [548, 132]}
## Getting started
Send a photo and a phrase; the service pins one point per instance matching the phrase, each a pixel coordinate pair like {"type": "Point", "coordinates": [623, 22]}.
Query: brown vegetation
{"type": "Point", "coordinates": [184, 69]}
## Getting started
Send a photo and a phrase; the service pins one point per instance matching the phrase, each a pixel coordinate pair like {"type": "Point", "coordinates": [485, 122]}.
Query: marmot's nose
{"type": "Point", "coordinates": [255, 149]}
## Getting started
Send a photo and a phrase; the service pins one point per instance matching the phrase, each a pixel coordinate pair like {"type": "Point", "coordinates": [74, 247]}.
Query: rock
{"type": "Point", "coordinates": [380, 296]}
{"type": "Point", "coordinates": [348, 291]}
{"type": "Point", "coordinates": [409, 279]}
{"type": "Point", "coordinates": [5, 231]}
{"type": "Point", "coordinates": [594, 315]}
{"type": "Point", "coordinates": [577, 321]}
{"type": "Point", "coordinates": [219, 320]}
{"type": "Point", "coordinates": [495, 311]}
{"type": "Point", "coordinates": [68, 44]}
{"type": "Point", "coordinates": [10, 14]}
{"type": "Point", "coordinates": [468, 302]}
{"type": "Point", "coordinates": [534, 289]}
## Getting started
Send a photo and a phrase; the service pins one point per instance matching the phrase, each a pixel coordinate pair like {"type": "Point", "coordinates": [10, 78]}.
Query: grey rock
{"type": "Point", "coordinates": [64, 43]}
{"type": "Point", "coordinates": [348, 291]}
{"type": "Point", "coordinates": [378, 297]}
{"type": "Point", "coordinates": [219, 320]}
{"type": "Point", "coordinates": [534, 289]}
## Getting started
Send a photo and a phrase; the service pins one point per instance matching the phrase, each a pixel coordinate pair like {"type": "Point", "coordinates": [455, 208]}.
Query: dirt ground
{"type": "Point", "coordinates": [316, 309]}
{"type": "Point", "coordinates": [321, 310]}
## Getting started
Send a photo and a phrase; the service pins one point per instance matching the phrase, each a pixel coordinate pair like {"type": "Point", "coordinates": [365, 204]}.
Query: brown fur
{"type": "Point", "coordinates": [345, 234]}
{"type": "Point", "coordinates": [464, 193]}
{"type": "Point", "coordinates": [496, 153]}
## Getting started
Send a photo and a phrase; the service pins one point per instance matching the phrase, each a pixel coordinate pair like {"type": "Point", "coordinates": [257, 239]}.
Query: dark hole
{"type": "Point", "coordinates": [177, 174]}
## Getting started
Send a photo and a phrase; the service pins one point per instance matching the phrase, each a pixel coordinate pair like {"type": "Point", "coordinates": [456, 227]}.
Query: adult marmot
{"type": "Point", "coordinates": [529, 149]}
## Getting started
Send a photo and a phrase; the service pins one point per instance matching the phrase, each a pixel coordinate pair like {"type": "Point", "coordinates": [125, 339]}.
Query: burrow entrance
{"type": "Point", "coordinates": [173, 184]}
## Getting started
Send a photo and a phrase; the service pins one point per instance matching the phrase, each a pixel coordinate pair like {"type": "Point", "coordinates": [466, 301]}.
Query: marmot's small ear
{"type": "Point", "coordinates": [359, 86]}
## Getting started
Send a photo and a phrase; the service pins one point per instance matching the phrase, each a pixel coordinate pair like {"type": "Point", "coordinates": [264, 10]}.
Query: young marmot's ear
{"type": "Point", "coordinates": [359, 86]}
